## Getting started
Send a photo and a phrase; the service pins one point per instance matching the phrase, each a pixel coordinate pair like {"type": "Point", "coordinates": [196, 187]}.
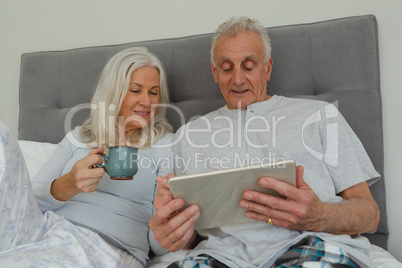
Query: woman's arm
{"type": "Point", "coordinates": [50, 194]}
{"type": "Point", "coordinates": [83, 177]}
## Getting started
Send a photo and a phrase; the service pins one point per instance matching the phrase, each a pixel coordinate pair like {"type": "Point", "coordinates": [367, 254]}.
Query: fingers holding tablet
{"type": "Point", "coordinates": [173, 229]}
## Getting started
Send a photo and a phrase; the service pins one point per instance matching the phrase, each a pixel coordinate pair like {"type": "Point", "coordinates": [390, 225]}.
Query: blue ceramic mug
{"type": "Point", "coordinates": [121, 162]}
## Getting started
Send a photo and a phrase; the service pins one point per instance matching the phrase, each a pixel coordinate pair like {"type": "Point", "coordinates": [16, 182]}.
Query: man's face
{"type": "Point", "coordinates": [240, 70]}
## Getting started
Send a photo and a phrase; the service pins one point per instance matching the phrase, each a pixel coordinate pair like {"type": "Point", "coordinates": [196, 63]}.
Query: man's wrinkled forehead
{"type": "Point", "coordinates": [244, 46]}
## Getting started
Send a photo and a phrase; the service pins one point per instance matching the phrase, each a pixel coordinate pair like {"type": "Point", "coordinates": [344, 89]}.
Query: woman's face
{"type": "Point", "coordinates": [142, 99]}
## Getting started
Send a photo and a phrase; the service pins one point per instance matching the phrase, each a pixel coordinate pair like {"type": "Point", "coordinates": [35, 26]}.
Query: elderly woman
{"type": "Point", "coordinates": [75, 215]}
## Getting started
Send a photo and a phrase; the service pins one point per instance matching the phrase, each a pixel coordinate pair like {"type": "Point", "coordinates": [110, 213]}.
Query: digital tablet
{"type": "Point", "coordinates": [218, 193]}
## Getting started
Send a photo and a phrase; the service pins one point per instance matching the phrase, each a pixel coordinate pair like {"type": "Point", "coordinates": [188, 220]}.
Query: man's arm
{"type": "Point", "coordinates": [357, 213]}
{"type": "Point", "coordinates": [302, 209]}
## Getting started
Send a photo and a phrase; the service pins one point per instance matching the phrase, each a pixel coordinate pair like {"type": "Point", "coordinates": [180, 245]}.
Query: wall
{"type": "Point", "coordinates": [27, 26]}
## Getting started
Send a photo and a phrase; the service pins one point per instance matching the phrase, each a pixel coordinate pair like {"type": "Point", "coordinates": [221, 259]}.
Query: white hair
{"type": "Point", "coordinates": [112, 87]}
{"type": "Point", "coordinates": [238, 24]}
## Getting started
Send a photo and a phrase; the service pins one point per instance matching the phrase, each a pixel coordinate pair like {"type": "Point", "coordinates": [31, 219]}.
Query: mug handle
{"type": "Point", "coordinates": [105, 159]}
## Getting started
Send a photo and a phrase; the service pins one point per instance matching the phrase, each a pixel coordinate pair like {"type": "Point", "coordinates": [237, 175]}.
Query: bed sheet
{"type": "Point", "coordinates": [37, 153]}
{"type": "Point", "coordinates": [383, 258]}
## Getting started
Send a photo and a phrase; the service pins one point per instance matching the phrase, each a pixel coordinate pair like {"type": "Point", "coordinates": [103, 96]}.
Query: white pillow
{"type": "Point", "coordinates": [36, 154]}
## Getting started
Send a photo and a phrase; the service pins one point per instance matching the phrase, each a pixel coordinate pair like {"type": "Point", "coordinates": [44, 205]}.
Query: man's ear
{"type": "Point", "coordinates": [213, 69]}
{"type": "Point", "coordinates": [269, 69]}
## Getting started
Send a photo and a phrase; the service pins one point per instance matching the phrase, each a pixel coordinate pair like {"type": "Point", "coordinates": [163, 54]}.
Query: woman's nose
{"type": "Point", "coordinates": [144, 100]}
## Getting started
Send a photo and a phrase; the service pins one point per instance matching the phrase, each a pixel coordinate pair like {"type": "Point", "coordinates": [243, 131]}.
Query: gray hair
{"type": "Point", "coordinates": [238, 24]}
{"type": "Point", "coordinates": [112, 87]}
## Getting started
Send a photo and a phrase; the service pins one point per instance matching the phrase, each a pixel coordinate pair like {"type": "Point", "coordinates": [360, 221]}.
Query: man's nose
{"type": "Point", "coordinates": [238, 77]}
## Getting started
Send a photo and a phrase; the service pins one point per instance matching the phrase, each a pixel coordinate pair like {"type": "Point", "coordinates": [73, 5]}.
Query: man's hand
{"type": "Point", "coordinates": [303, 210]}
{"type": "Point", "coordinates": [172, 229]}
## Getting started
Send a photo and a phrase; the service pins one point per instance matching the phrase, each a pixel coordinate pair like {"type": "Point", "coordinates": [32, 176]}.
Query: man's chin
{"type": "Point", "coordinates": [240, 104]}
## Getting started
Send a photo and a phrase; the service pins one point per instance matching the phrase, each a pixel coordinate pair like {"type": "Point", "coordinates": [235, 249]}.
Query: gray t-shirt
{"type": "Point", "coordinates": [119, 211]}
{"type": "Point", "coordinates": [313, 133]}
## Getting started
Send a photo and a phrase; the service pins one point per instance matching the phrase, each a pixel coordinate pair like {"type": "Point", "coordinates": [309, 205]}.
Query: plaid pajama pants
{"type": "Point", "coordinates": [314, 252]}
{"type": "Point", "coordinates": [311, 252]}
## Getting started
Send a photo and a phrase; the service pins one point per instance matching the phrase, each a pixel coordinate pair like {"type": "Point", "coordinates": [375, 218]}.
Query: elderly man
{"type": "Point", "coordinates": [320, 219]}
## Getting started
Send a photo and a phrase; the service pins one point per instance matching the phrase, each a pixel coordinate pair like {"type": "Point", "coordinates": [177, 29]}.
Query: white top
{"type": "Point", "coordinates": [118, 210]}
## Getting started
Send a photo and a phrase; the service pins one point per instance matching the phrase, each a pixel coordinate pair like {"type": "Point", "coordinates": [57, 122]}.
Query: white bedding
{"type": "Point", "coordinates": [383, 258]}
{"type": "Point", "coordinates": [37, 153]}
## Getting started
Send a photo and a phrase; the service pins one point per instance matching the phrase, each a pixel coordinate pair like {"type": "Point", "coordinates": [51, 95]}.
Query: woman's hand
{"type": "Point", "coordinates": [172, 229]}
{"type": "Point", "coordinates": [83, 177]}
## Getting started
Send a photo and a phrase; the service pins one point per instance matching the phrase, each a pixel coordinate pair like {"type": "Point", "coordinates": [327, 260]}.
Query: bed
{"type": "Point", "coordinates": [336, 61]}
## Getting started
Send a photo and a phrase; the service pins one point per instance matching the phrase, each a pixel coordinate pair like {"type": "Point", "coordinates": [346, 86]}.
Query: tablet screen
{"type": "Point", "coordinates": [218, 193]}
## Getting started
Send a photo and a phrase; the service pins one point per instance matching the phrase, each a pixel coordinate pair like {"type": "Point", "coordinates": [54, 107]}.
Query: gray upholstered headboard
{"type": "Point", "coordinates": [334, 60]}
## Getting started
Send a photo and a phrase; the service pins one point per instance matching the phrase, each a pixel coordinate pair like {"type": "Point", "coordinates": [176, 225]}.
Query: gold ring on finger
{"type": "Point", "coordinates": [270, 221]}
